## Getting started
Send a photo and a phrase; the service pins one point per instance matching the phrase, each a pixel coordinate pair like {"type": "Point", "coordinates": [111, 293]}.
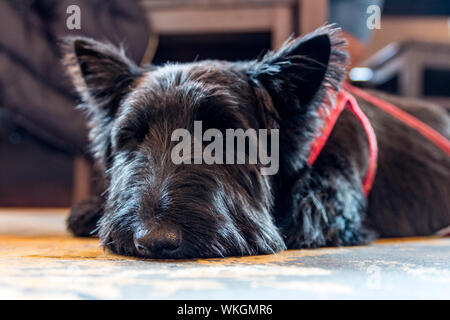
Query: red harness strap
{"type": "Point", "coordinates": [439, 140]}
{"type": "Point", "coordinates": [345, 99]}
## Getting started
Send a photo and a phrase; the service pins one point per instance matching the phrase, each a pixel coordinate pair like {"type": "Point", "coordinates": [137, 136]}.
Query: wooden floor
{"type": "Point", "coordinates": [39, 260]}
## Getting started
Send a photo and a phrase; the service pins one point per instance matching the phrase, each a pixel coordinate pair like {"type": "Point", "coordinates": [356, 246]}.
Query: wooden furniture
{"type": "Point", "coordinates": [81, 179]}
{"type": "Point", "coordinates": [225, 16]}
{"type": "Point", "coordinates": [311, 15]}
{"type": "Point", "coordinates": [406, 69]}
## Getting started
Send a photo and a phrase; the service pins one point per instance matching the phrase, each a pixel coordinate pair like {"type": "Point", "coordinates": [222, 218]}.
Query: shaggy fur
{"type": "Point", "coordinates": [204, 210]}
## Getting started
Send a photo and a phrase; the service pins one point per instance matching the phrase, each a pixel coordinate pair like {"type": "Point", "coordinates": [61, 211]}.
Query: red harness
{"type": "Point", "coordinates": [345, 99]}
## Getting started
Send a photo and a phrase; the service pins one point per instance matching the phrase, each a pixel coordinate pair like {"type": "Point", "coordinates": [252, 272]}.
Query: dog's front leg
{"type": "Point", "coordinates": [84, 216]}
{"type": "Point", "coordinates": [327, 209]}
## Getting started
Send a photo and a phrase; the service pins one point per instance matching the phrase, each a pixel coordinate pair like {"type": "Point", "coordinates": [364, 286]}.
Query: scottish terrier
{"type": "Point", "coordinates": [155, 208]}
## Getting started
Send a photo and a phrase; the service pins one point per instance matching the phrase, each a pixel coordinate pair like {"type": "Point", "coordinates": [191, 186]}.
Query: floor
{"type": "Point", "coordinates": [39, 260]}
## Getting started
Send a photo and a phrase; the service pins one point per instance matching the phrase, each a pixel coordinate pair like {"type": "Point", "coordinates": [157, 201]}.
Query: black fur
{"type": "Point", "coordinates": [222, 210]}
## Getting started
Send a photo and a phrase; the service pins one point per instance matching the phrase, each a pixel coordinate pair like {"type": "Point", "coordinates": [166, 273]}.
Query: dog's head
{"type": "Point", "coordinates": [158, 207]}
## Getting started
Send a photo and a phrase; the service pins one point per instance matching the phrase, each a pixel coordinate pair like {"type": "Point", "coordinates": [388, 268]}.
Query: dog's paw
{"type": "Point", "coordinates": [83, 218]}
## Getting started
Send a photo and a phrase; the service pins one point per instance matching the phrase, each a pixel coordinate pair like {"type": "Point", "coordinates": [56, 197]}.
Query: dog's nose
{"type": "Point", "coordinates": [158, 242]}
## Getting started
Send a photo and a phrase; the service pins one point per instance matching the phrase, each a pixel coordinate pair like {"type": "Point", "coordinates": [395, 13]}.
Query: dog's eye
{"type": "Point", "coordinates": [218, 116]}
{"type": "Point", "coordinates": [126, 138]}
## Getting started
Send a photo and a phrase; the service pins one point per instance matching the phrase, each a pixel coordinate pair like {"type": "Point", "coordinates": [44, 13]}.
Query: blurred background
{"type": "Point", "coordinates": [44, 160]}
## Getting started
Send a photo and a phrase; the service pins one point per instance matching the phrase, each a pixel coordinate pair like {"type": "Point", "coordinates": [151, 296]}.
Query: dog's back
{"type": "Point", "coordinates": [411, 193]}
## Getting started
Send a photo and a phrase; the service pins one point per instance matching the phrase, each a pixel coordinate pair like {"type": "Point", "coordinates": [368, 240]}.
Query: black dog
{"type": "Point", "coordinates": [155, 208]}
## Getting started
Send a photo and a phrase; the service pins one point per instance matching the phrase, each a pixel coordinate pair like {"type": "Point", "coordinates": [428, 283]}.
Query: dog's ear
{"type": "Point", "coordinates": [293, 83]}
{"type": "Point", "coordinates": [302, 70]}
{"type": "Point", "coordinates": [101, 73]}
